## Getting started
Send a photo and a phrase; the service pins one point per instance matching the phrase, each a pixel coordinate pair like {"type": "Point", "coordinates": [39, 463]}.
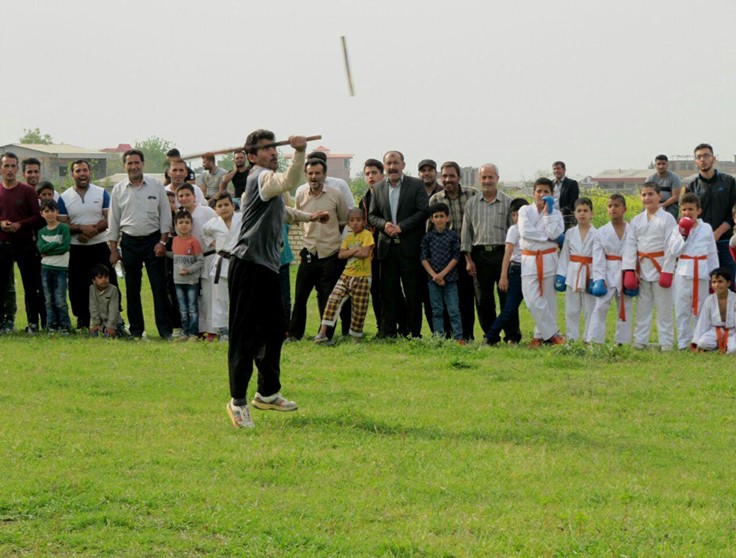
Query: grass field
{"type": "Point", "coordinates": [400, 449]}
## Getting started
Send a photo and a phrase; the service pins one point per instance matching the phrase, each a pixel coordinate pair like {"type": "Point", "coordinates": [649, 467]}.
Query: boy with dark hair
{"type": "Point", "coordinates": [188, 264]}
{"type": "Point", "coordinates": [54, 241]}
{"type": "Point", "coordinates": [440, 255]}
{"type": "Point", "coordinates": [104, 305]}
{"type": "Point", "coordinates": [45, 191]}
{"type": "Point", "coordinates": [716, 327]}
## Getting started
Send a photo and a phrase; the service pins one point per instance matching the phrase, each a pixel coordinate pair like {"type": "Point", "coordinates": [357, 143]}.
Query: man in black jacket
{"type": "Point", "coordinates": [566, 192]}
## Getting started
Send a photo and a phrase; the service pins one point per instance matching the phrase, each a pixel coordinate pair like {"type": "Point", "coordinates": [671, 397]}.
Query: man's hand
{"type": "Point", "coordinates": [184, 271]}
{"type": "Point", "coordinates": [470, 267]}
{"type": "Point", "coordinates": [159, 250]}
{"type": "Point", "coordinates": [503, 284]}
{"type": "Point", "coordinates": [88, 230]}
{"type": "Point", "coordinates": [321, 216]}
{"type": "Point", "coordinates": [299, 143]}
{"type": "Point", "coordinates": [391, 230]}
{"type": "Point", "coordinates": [83, 238]}
{"type": "Point", "coordinates": [114, 256]}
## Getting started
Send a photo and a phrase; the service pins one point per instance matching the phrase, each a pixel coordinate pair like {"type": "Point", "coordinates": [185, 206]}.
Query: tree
{"type": "Point", "coordinates": [35, 136]}
{"type": "Point", "coordinates": [358, 186]}
{"type": "Point", "coordinates": [154, 150]}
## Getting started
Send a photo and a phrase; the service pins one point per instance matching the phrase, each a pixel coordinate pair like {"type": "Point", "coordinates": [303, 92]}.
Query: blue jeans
{"type": "Point", "coordinates": [510, 308]}
{"type": "Point", "coordinates": [186, 296]}
{"type": "Point", "coordinates": [54, 282]}
{"type": "Point", "coordinates": [445, 298]}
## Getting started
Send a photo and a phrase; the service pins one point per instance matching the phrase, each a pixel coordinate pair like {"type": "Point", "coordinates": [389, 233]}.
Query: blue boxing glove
{"type": "Point", "coordinates": [631, 292]}
{"type": "Point", "coordinates": [560, 286]}
{"type": "Point", "coordinates": [550, 202]}
{"type": "Point", "coordinates": [560, 240]}
{"type": "Point", "coordinates": [598, 288]}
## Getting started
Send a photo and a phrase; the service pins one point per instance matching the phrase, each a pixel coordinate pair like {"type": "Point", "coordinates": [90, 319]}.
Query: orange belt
{"type": "Point", "coordinates": [622, 308]}
{"type": "Point", "coordinates": [584, 262]}
{"type": "Point", "coordinates": [539, 255]}
{"type": "Point", "coordinates": [695, 259]}
{"type": "Point", "coordinates": [612, 258]}
{"type": "Point", "coordinates": [722, 338]}
{"type": "Point", "coordinates": [651, 256]}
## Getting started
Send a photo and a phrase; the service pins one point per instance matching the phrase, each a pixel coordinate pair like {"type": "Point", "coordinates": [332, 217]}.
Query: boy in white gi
{"type": "Point", "coordinates": [648, 265]}
{"type": "Point", "coordinates": [574, 270]}
{"type": "Point", "coordinates": [608, 250]}
{"type": "Point", "coordinates": [716, 327]}
{"type": "Point", "coordinates": [695, 246]}
{"type": "Point", "coordinates": [540, 224]}
{"type": "Point", "coordinates": [222, 231]}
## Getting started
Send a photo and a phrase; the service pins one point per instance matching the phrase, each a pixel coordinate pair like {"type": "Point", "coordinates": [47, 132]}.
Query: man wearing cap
{"type": "Point", "coordinates": [428, 173]}
{"type": "Point", "coordinates": [483, 241]}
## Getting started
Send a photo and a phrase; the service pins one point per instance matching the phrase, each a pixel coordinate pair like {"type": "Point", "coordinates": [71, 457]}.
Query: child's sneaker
{"type": "Point", "coordinates": [273, 403]}
{"type": "Point", "coordinates": [239, 415]}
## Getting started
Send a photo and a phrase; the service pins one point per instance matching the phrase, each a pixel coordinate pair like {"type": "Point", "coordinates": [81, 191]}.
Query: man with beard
{"type": "Point", "coordinates": [428, 173]}
{"type": "Point", "coordinates": [210, 181]}
{"type": "Point", "coordinates": [84, 207]}
{"type": "Point", "coordinates": [238, 176]}
{"type": "Point", "coordinates": [140, 221]}
{"type": "Point", "coordinates": [319, 266]}
{"type": "Point", "coordinates": [669, 185]}
{"type": "Point", "coordinates": [456, 198]}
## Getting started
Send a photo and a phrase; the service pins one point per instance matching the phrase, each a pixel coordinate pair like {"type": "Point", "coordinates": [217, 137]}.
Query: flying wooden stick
{"type": "Point", "coordinates": [347, 66]}
{"type": "Point", "coordinates": [245, 147]}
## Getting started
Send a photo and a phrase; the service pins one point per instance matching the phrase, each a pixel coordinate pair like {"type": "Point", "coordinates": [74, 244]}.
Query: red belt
{"type": "Point", "coordinates": [584, 262]}
{"type": "Point", "coordinates": [696, 280]}
{"type": "Point", "coordinates": [539, 256]}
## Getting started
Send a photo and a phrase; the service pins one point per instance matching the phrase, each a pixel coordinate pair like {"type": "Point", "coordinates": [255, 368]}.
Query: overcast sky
{"type": "Point", "coordinates": [598, 84]}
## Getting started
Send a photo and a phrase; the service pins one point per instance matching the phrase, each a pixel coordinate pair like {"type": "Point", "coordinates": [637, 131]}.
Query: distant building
{"type": "Point", "coordinates": [469, 176]}
{"type": "Point", "coordinates": [56, 157]}
{"type": "Point", "coordinates": [338, 164]}
{"type": "Point", "coordinates": [621, 180]}
{"type": "Point", "coordinates": [121, 148]}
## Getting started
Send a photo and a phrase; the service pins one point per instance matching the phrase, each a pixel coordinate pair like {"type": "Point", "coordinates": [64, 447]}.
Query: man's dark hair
{"type": "Point", "coordinates": [703, 146]}
{"type": "Point", "coordinates": [661, 157]}
{"type": "Point", "coordinates": [81, 162]}
{"type": "Point", "coordinates": [9, 155]}
{"type": "Point", "coordinates": [28, 161]}
{"type": "Point", "coordinates": [315, 161]}
{"type": "Point", "coordinates": [559, 164]}
{"type": "Point", "coordinates": [722, 272]}
{"type": "Point", "coordinates": [318, 155]}
{"type": "Point", "coordinates": [173, 152]}
{"type": "Point", "coordinates": [439, 208]}
{"type": "Point", "coordinates": [99, 270]}
{"type": "Point", "coordinates": [618, 198]}
{"type": "Point", "coordinates": [209, 157]}
{"type": "Point", "coordinates": [251, 142]}
{"type": "Point", "coordinates": [373, 163]}
{"type": "Point", "coordinates": [44, 185]}
{"type": "Point", "coordinates": [134, 152]}
{"type": "Point", "coordinates": [544, 181]}
{"type": "Point", "coordinates": [178, 161]}
{"type": "Point", "coordinates": [399, 153]}
{"type": "Point", "coordinates": [49, 204]}
{"type": "Point", "coordinates": [451, 164]}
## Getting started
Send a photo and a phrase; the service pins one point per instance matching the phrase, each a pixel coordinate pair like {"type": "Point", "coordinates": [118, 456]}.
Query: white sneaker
{"type": "Point", "coordinates": [273, 403]}
{"type": "Point", "coordinates": [239, 416]}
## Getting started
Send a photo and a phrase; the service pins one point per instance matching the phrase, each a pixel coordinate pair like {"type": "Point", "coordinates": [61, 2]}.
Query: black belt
{"type": "Point", "coordinates": [488, 247]}
{"type": "Point", "coordinates": [144, 237]}
{"type": "Point", "coordinates": [208, 253]}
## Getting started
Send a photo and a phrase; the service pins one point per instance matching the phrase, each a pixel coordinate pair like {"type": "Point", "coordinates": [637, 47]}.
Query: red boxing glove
{"type": "Point", "coordinates": [630, 280]}
{"type": "Point", "coordinates": [732, 249]}
{"type": "Point", "coordinates": [665, 280]}
{"type": "Point", "coordinates": [685, 225]}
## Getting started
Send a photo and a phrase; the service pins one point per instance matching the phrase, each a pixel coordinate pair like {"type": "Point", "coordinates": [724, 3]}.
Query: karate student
{"type": "Point", "coordinates": [539, 227]}
{"type": "Point", "coordinates": [695, 246]}
{"type": "Point", "coordinates": [574, 270]}
{"type": "Point", "coordinates": [716, 327]}
{"type": "Point", "coordinates": [648, 265]}
{"type": "Point", "coordinates": [608, 250]}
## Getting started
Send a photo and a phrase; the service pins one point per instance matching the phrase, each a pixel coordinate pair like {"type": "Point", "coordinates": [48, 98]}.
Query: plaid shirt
{"type": "Point", "coordinates": [439, 249]}
{"type": "Point", "coordinates": [457, 207]}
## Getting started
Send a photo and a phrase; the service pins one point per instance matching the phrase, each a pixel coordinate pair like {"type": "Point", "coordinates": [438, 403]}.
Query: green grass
{"type": "Point", "coordinates": [399, 449]}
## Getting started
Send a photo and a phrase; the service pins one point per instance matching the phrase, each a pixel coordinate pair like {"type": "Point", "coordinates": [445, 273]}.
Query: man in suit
{"type": "Point", "coordinates": [566, 192]}
{"type": "Point", "coordinates": [399, 211]}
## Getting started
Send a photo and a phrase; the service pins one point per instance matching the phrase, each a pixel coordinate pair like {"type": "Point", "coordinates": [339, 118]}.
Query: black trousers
{"type": "Point", "coordinates": [137, 251]}
{"type": "Point", "coordinates": [376, 292]}
{"type": "Point", "coordinates": [81, 260]}
{"type": "Point", "coordinates": [488, 273]}
{"type": "Point", "coordinates": [313, 273]}
{"type": "Point", "coordinates": [400, 277]}
{"type": "Point", "coordinates": [257, 327]}
{"type": "Point", "coordinates": [25, 255]}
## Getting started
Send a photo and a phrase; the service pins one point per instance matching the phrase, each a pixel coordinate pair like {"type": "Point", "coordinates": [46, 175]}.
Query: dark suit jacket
{"type": "Point", "coordinates": [412, 214]}
{"type": "Point", "coordinates": [569, 192]}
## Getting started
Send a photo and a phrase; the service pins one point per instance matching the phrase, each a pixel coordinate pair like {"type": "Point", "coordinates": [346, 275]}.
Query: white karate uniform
{"type": "Point", "coordinates": [224, 240]}
{"type": "Point", "coordinates": [650, 236]}
{"type": "Point", "coordinates": [608, 251]}
{"type": "Point", "coordinates": [201, 215]}
{"type": "Point", "coordinates": [538, 232]}
{"type": "Point", "coordinates": [700, 244]}
{"type": "Point", "coordinates": [577, 275]}
{"type": "Point", "coordinates": [705, 336]}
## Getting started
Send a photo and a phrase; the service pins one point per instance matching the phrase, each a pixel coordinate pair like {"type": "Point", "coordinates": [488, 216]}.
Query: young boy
{"type": "Point", "coordinates": [188, 263]}
{"type": "Point", "coordinates": [200, 215]}
{"type": "Point", "coordinates": [355, 281]}
{"type": "Point", "coordinates": [574, 270]}
{"type": "Point", "coordinates": [716, 328]}
{"type": "Point", "coordinates": [104, 305]}
{"type": "Point", "coordinates": [440, 255]}
{"type": "Point", "coordinates": [45, 191]}
{"type": "Point", "coordinates": [540, 224]}
{"type": "Point", "coordinates": [695, 246]}
{"type": "Point", "coordinates": [223, 231]}
{"type": "Point", "coordinates": [170, 285]}
{"type": "Point", "coordinates": [54, 241]}
{"type": "Point", "coordinates": [608, 250]}
{"type": "Point", "coordinates": [648, 265]}
{"type": "Point", "coordinates": [510, 281]}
